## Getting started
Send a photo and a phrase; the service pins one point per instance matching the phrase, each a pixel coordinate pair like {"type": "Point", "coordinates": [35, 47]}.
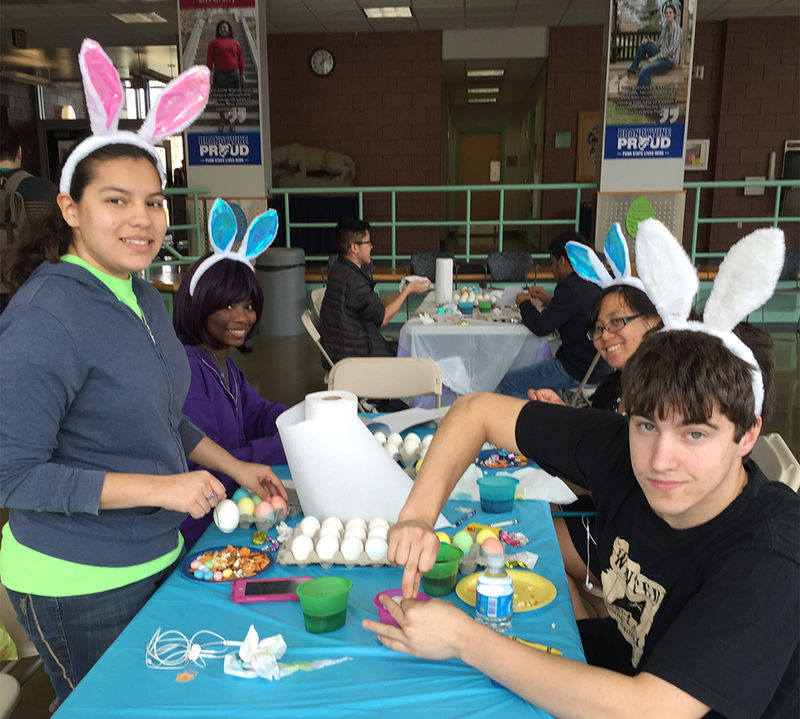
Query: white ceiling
{"type": "Point", "coordinates": [55, 28]}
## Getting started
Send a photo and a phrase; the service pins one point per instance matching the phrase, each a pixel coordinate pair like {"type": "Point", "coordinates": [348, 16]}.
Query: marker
{"type": "Point", "coordinates": [464, 518]}
{"type": "Point", "coordinates": [507, 523]}
{"type": "Point", "coordinates": [540, 647]}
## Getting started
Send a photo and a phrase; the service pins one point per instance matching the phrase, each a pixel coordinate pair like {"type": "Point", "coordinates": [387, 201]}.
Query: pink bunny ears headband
{"type": "Point", "coordinates": [180, 103]}
{"type": "Point", "coordinates": [588, 265]}
{"type": "Point", "coordinates": [222, 230]}
{"type": "Point", "coordinates": [745, 281]}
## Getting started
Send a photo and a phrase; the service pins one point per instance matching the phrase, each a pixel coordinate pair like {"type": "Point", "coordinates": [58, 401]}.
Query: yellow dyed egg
{"type": "Point", "coordinates": [444, 538]}
{"type": "Point", "coordinates": [483, 535]}
{"type": "Point", "coordinates": [246, 506]}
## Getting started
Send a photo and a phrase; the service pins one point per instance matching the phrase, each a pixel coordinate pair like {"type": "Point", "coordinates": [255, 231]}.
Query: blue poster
{"type": "Point", "coordinates": [230, 148]}
{"type": "Point", "coordinates": [629, 142]}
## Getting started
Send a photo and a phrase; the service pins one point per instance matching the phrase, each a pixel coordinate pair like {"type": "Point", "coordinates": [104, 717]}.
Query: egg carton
{"type": "Point", "coordinates": [285, 556]}
{"type": "Point", "coordinates": [246, 521]}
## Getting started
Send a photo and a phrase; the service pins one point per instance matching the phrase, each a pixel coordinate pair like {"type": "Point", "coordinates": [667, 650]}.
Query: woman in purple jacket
{"type": "Point", "coordinates": [223, 312]}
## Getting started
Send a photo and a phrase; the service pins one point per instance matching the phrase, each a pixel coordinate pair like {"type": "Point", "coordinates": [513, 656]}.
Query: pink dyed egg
{"type": "Point", "coordinates": [279, 504]}
{"type": "Point", "coordinates": [264, 509]}
{"type": "Point", "coordinates": [492, 545]}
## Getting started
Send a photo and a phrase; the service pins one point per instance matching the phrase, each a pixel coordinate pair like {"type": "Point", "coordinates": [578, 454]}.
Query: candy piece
{"type": "Point", "coordinates": [259, 537]}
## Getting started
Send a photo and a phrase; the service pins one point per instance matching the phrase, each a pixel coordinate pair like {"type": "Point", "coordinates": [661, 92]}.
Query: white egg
{"type": "Point", "coordinates": [376, 548]}
{"type": "Point", "coordinates": [413, 435]}
{"type": "Point", "coordinates": [378, 522]}
{"type": "Point", "coordinates": [427, 439]}
{"type": "Point", "coordinates": [392, 450]}
{"type": "Point", "coordinates": [456, 296]}
{"type": "Point", "coordinates": [378, 532]}
{"type": "Point", "coordinates": [423, 450]}
{"type": "Point", "coordinates": [356, 531]}
{"type": "Point", "coordinates": [351, 548]}
{"type": "Point", "coordinates": [355, 522]}
{"type": "Point", "coordinates": [395, 438]}
{"type": "Point", "coordinates": [471, 297]}
{"type": "Point", "coordinates": [327, 546]}
{"type": "Point", "coordinates": [301, 547]}
{"type": "Point", "coordinates": [309, 526]}
{"type": "Point", "coordinates": [330, 530]}
{"type": "Point", "coordinates": [332, 522]}
{"type": "Point", "coordinates": [380, 437]}
{"type": "Point", "coordinates": [411, 445]}
{"type": "Point", "coordinates": [226, 516]}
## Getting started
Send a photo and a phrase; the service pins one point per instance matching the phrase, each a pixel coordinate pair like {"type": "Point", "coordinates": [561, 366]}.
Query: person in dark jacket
{"type": "Point", "coordinates": [568, 312]}
{"type": "Point", "coordinates": [352, 313]}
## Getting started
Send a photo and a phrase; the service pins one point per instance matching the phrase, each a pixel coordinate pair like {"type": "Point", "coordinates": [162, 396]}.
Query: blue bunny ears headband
{"type": "Point", "coordinates": [745, 281]}
{"type": "Point", "coordinates": [178, 105]}
{"type": "Point", "coordinates": [222, 230]}
{"type": "Point", "coordinates": [588, 265]}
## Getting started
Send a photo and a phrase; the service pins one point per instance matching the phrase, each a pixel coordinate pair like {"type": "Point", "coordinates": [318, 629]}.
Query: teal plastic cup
{"type": "Point", "coordinates": [324, 603]}
{"type": "Point", "coordinates": [442, 577]}
{"type": "Point", "coordinates": [497, 493]}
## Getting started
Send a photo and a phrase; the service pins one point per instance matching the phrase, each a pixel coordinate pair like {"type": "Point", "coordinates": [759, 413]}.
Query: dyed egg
{"type": "Point", "coordinates": [378, 531]}
{"type": "Point", "coordinates": [483, 535]}
{"type": "Point", "coordinates": [492, 545]}
{"type": "Point", "coordinates": [355, 522]}
{"type": "Point", "coordinates": [327, 546]}
{"type": "Point", "coordinates": [279, 504]}
{"type": "Point", "coordinates": [333, 522]}
{"type": "Point", "coordinates": [226, 516]}
{"type": "Point", "coordinates": [309, 525]}
{"type": "Point", "coordinates": [351, 548]}
{"type": "Point", "coordinates": [444, 538]}
{"type": "Point", "coordinates": [376, 548]}
{"type": "Point", "coordinates": [239, 493]}
{"type": "Point", "coordinates": [378, 522]}
{"type": "Point", "coordinates": [301, 547]}
{"type": "Point", "coordinates": [246, 506]}
{"type": "Point", "coordinates": [264, 510]}
{"type": "Point", "coordinates": [256, 499]}
{"type": "Point", "coordinates": [356, 531]}
{"type": "Point", "coordinates": [463, 540]}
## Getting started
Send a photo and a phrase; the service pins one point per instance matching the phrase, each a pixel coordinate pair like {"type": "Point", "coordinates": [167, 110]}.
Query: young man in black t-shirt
{"type": "Point", "coordinates": [699, 555]}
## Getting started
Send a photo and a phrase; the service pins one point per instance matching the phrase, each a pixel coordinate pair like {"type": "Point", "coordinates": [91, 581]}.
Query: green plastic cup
{"type": "Point", "coordinates": [324, 603]}
{"type": "Point", "coordinates": [485, 305]}
{"type": "Point", "coordinates": [442, 577]}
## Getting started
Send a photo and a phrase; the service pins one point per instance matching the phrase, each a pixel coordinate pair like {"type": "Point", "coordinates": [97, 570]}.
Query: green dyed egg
{"type": "Point", "coordinates": [462, 540]}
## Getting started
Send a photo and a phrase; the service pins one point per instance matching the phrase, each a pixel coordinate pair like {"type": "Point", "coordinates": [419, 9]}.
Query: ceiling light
{"type": "Point", "coordinates": [482, 90]}
{"type": "Point", "coordinates": [485, 73]}
{"type": "Point", "coordinates": [138, 18]}
{"type": "Point", "coordinates": [387, 12]}
{"type": "Point", "coordinates": [473, 100]}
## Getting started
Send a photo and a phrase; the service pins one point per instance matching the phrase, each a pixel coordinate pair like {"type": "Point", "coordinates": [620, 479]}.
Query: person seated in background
{"type": "Point", "coordinates": [352, 313]}
{"type": "Point", "coordinates": [697, 551]}
{"type": "Point", "coordinates": [222, 312]}
{"type": "Point", "coordinates": [568, 312]}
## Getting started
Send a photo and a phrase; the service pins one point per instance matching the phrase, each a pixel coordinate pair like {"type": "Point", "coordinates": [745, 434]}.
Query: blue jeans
{"type": "Point", "coordinates": [649, 49]}
{"type": "Point", "coordinates": [549, 373]}
{"type": "Point", "coordinates": [70, 633]}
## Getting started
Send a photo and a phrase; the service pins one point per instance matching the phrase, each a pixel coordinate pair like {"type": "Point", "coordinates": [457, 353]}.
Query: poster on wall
{"type": "Point", "coordinates": [222, 34]}
{"type": "Point", "coordinates": [648, 79]}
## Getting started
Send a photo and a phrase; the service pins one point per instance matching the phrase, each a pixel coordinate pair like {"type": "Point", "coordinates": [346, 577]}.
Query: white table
{"type": "Point", "coordinates": [475, 356]}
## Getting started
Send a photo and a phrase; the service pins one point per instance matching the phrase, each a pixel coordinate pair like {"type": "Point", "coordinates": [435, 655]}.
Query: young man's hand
{"type": "Point", "coordinates": [414, 545]}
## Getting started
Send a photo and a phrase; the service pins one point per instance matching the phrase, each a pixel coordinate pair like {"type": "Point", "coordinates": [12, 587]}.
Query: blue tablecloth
{"type": "Point", "coordinates": [376, 682]}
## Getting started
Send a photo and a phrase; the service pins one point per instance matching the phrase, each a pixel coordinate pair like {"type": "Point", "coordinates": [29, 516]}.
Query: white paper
{"type": "Point", "coordinates": [338, 469]}
{"type": "Point", "coordinates": [444, 280]}
{"type": "Point", "coordinates": [405, 418]}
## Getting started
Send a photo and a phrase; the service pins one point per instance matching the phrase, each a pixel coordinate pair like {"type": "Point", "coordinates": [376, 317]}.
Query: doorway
{"type": "Point", "coordinates": [480, 162]}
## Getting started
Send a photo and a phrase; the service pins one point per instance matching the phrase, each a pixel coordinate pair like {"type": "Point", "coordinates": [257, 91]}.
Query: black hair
{"type": "Point", "coordinates": [558, 245]}
{"type": "Point", "coordinates": [349, 231]}
{"type": "Point", "coordinates": [9, 142]}
{"type": "Point", "coordinates": [224, 283]}
{"type": "Point", "coordinates": [230, 28]}
{"type": "Point", "coordinates": [632, 296]}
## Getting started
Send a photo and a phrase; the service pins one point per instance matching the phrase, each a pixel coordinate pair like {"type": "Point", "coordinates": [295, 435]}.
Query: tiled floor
{"type": "Point", "coordinates": [285, 369]}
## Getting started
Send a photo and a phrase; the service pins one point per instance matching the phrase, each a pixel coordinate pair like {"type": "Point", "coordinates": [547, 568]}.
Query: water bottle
{"type": "Point", "coordinates": [494, 595]}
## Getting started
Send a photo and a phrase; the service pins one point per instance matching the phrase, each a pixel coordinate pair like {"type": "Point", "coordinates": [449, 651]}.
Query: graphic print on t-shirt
{"type": "Point", "coordinates": [632, 598]}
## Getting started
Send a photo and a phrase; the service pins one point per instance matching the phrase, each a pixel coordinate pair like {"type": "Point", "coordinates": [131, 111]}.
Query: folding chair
{"type": "Point", "coordinates": [316, 298]}
{"type": "Point", "coordinates": [509, 266]}
{"type": "Point", "coordinates": [387, 377]}
{"type": "Point", "coordinates": [313, 331]}
{"type": "Point", "coordinates": [579, 396]}
{"type": "Point", "coordinates": [776, 460]}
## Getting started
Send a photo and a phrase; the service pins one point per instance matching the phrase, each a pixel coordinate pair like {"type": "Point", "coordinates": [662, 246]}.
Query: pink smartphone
{"type": "Point", "coordinates": [266, 590]}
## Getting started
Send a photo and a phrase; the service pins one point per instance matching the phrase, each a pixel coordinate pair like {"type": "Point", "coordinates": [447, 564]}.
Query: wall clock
{"type": "Point", "coordinates": [322, 62]}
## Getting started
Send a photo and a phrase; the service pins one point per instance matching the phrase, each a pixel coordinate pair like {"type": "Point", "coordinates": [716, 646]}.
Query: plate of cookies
{"type": "Point", "coordinates": [225, 564]}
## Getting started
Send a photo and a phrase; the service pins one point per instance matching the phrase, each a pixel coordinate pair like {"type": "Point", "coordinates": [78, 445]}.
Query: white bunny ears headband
{"type": "Point", "coordinates": [222, 230]}
{"type": "Point", "coordinates": [588, 265]}
{"type": "Point", "coordinates": [745, 281]}
{"type": "Point", "coordinates": [179, 104]}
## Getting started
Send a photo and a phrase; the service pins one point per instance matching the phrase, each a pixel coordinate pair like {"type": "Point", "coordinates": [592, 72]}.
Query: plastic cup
{"type": "Point", "coordinates": [383, 614]}
{"type": "Point", "coordinates": [485, 305]}
{"type": "Point", "coordinates": [324, 603]}
{"type": "Point", "coordinates": [466, 308]}
{"type": "Point", "coordinates": [442, 577]}
{"type": "Point", "coordinates": [497, 493]}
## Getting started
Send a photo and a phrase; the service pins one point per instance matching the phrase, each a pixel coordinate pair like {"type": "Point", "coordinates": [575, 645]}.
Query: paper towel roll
{"type": "Point", "coordinates": [338, 469]}
{"type": "Point", "coordinates": [444, 280]}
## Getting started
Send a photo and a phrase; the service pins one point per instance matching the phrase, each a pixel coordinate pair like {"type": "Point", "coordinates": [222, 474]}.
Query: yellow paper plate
{"type": "Point", "coordinates": [531, 591]}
